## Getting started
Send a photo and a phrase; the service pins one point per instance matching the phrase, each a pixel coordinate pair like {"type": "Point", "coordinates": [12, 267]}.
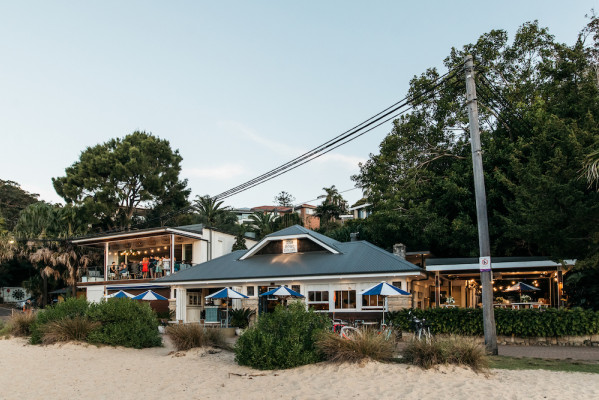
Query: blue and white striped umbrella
{"type": "Point", "coordinates": [282, 291]}
{"type": "Point", "coordinates": [227, 293]}
{"type": "Point", "coordinates": [119, 295]}
{"type": "Point", "coordinates": [385, 290]}
{"type": "Point", "coordinates": [149, 295]}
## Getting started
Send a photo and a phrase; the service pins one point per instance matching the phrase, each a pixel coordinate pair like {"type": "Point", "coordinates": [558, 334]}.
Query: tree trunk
{"type": "Point", "coordinates": [45, 291]}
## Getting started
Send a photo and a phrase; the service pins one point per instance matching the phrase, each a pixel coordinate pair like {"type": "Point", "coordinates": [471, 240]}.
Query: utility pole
{"type": "Point", "coordinates": [481, 211]}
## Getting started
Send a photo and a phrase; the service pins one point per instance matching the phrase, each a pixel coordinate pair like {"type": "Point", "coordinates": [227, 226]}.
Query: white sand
{"type": "Point", "coordinates": [79, 371]}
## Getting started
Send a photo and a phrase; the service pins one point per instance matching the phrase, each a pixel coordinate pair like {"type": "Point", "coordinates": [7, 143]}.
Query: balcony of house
{"type": "Point", "coordinates": [143, 256]}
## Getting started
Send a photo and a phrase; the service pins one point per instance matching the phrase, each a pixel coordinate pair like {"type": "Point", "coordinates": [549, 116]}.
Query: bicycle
{"type": "Point", "coordinates": [421, 328]}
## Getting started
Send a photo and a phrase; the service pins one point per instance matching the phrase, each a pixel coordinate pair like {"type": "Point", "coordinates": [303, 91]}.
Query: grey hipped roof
{"type": "Point", "coordinates": [354, 258]}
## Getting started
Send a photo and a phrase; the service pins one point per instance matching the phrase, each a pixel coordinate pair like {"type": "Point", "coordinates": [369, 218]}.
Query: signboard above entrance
{"type": "Point", "coordinates": [289, 246]}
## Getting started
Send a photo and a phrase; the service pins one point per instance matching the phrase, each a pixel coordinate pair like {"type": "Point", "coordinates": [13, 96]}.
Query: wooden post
{"type": "Point", "coordinates": [481, 211]}
{"type": "Point", "coordinates": [172, 254]}
{"type": "Point", "coordinates": [437, 289]}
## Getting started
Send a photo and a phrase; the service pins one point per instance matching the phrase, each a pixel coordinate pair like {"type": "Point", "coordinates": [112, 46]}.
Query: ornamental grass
{"type": "Point", "coordinates": [67, 329]}
{"type": "Point", "coordinates": [20, 323]}
{"type": "Point", "coordinates": [189, 336]}
{"type": "Point", "coordinates": [455, 350]}
{"type": "Point", "coordinates": [368, 344]}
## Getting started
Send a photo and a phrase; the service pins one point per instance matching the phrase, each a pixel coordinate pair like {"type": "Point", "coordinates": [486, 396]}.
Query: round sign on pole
{"type": "Point", "coordinates": [485, 263]}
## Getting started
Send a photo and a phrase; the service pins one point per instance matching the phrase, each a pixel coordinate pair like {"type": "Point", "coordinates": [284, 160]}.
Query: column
{"type": "Point", "coordinates": [105, 267]}
{"type": "Point", "coordinates": [181, 312]}
{"type": "Point", "coordinates": [172, 254]}
{"type": "Point", "coordinates": [437, 289]}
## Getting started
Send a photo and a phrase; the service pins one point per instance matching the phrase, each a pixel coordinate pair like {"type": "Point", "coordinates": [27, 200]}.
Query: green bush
{"type": "Point", "coordinates": [284, 338]}
{"type": "Point", "coordinates": [124, 322]}
{"type": "Point", "coordinates": [70, 308]}
{"type": "Point", "coordinates": [522, 323]}
{"type": "Point", "coordinates": [240, 318]}
{"type": "Point", "coordinates": [454, 350]}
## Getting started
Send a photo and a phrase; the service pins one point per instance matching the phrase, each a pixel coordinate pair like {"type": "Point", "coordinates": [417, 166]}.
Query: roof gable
{"type": "Point", "coordinates": [295, 232]}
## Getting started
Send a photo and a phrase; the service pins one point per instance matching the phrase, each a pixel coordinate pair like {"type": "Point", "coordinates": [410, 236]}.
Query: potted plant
{"type": "Point", "coordinates": [240, 319]}
{"type": "Point", "coordinates": [449, 300]}
{"type": "Point", "coordinates": [525, 298]}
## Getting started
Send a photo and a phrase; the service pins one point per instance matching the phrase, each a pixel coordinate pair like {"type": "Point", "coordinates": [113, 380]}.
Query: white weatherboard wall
{"type": "Point", "coordinates": [95, 294]}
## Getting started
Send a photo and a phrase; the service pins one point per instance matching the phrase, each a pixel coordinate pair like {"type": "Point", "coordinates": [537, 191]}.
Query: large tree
{"type": "Point", "coordinates": [331, 208]}
{"type": "Point", "coordinates": [115, 179]}
{"type": "Point", "coordinates": [13, 199]}
{"type": "Point", "coordinates": [539, 107]}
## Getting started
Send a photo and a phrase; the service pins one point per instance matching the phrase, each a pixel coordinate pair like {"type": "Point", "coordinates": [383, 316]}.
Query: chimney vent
{"type": "Point", "coordinates": [354, 236]}
{"type": "Point", "coordinates": [399, 249]}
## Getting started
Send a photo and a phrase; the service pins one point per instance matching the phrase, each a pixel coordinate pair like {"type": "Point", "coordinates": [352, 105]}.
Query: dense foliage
{"type": "Point", "coordinates": [13, 199]}
{"type": "Point", "coordinates": [522, 323]}
{"type": "Point", "coordinates": [539, 107]}
{"type": "Point", "coordinates": [124, 322]}
{"type": "Point", "coordinates": [117, 322]}
{"type": "Point", "coordinates": [114, 179]}
{"type": "Point", "coordinates": [284, 338]}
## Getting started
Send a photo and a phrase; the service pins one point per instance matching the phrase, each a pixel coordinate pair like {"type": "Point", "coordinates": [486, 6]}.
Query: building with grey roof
{"type": "Point", "coordinates": [330, 274]}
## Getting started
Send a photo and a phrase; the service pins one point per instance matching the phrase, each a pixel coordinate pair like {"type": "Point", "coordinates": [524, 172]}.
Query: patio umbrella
{"type": "Point", "coordinates": [119, 295]}
{"type": "Point", "coordinates": [283, 293]}
{"type": "Point", "coordinates": [149, 295]}
{"type": "Point", "coordinates": [521, 287]}
{"type": "Point", "coordinates": [385, 290]}
{"type": "Point", "coordinates": [227, 294]}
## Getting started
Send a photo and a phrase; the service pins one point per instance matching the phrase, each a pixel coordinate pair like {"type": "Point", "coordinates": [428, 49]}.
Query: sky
{"type": "Point", "coordinates": [238, 87]}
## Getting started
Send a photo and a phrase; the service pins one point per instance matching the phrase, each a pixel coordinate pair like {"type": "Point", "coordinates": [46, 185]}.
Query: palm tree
{"type": "Point", "coordinates": [591, 168]}
{"type": "Point", "coordinates": [210, 209]}
{"type": "Point", "coordinates": [263, 223]}
{"type": "Point", "coordinates": [43, 258]}
{"type": "Point", "coordinates": [332, 206]}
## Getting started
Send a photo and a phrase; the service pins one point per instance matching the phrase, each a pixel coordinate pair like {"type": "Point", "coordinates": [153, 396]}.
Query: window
{"type": "Point", "coordinates": [373, 301]}
{"type": "Point", "coordinates": [345, 299]}
{"type": "Point", "coordinates": [397, 284]}
{"type": "Point", "coordinates": [194, 299]}
{"type": "Point", "coordinates": [250, 290]}
{"type": "Point", "coordinates": [296, 288]}
{"type": "Point", "coordinates": [318, 299]}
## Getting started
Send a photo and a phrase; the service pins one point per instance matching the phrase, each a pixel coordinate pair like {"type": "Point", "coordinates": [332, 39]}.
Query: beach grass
{"type": "Point", "coordinates": [518, 363]}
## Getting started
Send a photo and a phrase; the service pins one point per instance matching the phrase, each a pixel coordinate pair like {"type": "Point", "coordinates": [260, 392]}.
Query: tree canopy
{"type": "Point", "coordinates": [539, 107]}
{"type": "Point", "coordinates": [13, 199]}
{"type": "Point", "coordinates": [115, 179]}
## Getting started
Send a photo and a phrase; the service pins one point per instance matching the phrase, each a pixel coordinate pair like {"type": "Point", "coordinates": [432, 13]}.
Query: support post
{"type": "Point", "coordinates": [105, 267]}
{"type": "Point", "coordinates": [481, 210]}
{"type": "Point", "coordinates": [437, 290]}
{"type": "Point", "coordinates": [172, 254]}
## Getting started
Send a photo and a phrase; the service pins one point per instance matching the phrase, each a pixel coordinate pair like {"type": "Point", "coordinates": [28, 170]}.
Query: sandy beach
{"type": "Point", "coordinates": [81, 371]}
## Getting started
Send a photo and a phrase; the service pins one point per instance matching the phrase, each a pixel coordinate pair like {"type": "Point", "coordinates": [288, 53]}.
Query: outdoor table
{"type": "Point", "coordinates": [448, 305]}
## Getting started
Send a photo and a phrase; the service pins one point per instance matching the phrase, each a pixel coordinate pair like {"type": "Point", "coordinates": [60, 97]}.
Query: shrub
{"type": "Point", "coordinates": [454, 350]}
{"type": "Point", "coordinates": [284, 338]}
{"type": "Point", "coordinates": [70, 308]}
{"type": "Point", "coordinates": [367, 344]}
{"type": "Point", "coordinates": [66, 329]}
{"type": "Point", "coordinates": [189, 336]}
{"type": "Point", "coordinates": [20, 324]}
{"type": "Point", "coordinates": [124, 322]}
{"type": "Point", "coordinates": [240, 318]}
{"type": "Point", "coordinates": [522, 323]}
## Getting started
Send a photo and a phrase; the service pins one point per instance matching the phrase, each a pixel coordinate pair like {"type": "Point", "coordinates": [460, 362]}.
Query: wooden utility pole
{"type": "Point", "coordinates": [481, 211]}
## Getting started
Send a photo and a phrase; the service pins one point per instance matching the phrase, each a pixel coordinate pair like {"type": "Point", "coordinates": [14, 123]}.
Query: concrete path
{"type": "Point", "coordinates": [557, 352]}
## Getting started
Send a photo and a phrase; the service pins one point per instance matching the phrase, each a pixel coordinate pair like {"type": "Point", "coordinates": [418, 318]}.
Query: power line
{"type": "Point", "coordinates": [353, 131]}
{"type": "Point", "coordinates": [333, 144]}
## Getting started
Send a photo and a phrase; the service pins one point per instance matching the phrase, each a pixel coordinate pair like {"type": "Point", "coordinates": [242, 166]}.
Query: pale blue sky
{"type": "Point", "coordinates": [238, 87]}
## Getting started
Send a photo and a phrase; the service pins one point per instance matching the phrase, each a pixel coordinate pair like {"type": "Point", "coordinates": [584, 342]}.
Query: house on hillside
{"type": "Point", "coordinates": [330, 274]}
{"type": "Point", "coordinates": [181, 247]}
